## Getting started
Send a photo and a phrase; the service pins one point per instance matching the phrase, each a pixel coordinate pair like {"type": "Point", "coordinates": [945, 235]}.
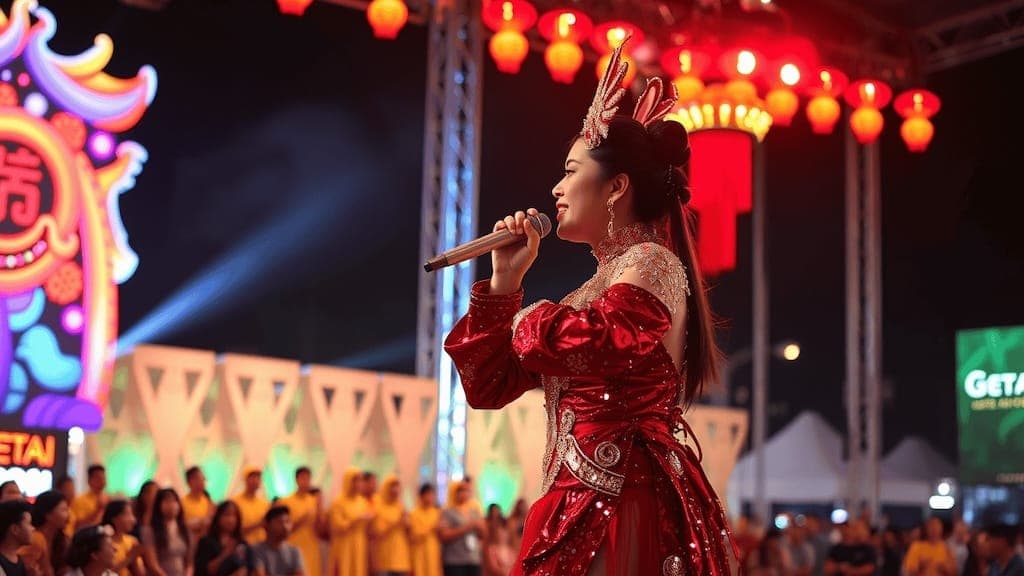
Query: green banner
{"type": "Point", "coordinates": [990, 405]}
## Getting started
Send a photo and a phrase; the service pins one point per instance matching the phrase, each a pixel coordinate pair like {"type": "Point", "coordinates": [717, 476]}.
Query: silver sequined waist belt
{"type": "Point", "coordinates": [594, 472]}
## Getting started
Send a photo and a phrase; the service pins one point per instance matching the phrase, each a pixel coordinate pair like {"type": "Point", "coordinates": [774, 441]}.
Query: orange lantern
{"type": "Point", "coordinates": [509, 19]}
{"type": "Point", "coordinates": [782, 102]}
{"type": "Point", "coordinates": [564, 29]}
{"type": "Point", "coordinates": [741, 66]}
{"type": "Point", "coordinates": [916, 107]}
{"type": "Point", "coordinates": [387, 17]}
{"type": "Point", "coordinates": [293, 7]}
{"type": "Point", "coordinates": [823, 109]}
{"type": "Point", "coordinates": [867, 97]}
{"type": "Point", "coordinates": [607, 37]}
{"type": "Point", "coordinates": [686, 65]}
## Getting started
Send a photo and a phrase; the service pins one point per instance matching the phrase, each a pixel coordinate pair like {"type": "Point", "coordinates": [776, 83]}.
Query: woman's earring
{"type": "Point", "coordinates": [611, 217]}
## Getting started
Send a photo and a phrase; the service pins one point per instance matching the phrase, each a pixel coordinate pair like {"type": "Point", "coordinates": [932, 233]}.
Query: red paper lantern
{"type": "Point", "coordinates": [688, 87]}
{"type": "Point", "coordinates": [563, 59]}
{"type": "Point", "coordinates": [741, 63]}
{"type": "Point", "coordinates": [685, 61]}
{"type": "Point", "coordinates": [789, 61]}
{"type": "Point", "coordinates": [564, 29]}
{"type": "Point", "coordinates": [782, 103]}
{"type": "Point", "coordinates": [387, 17]}
{"type": "Point", "coordinates": [867, 97]}
{"type": "Point", "coordinates": [608, 36]}
{"type": "Point", "coordinates": [917, 132]}
{"type": "Point", "coordinates": [917, 102]}
{"type": "Point", "coordinates": [293, 7]}
{"type": "Point", "coordinates": [823, 109]}
{"type": "Point", "coordinates": [509, 48]}
{"type": "Point", "coordinates": [686, 65]}
{"type": "Point", "coordinates": [916, 107]}
{"type": "Point", "coordinates": [509, 15]}
{"type": "Point", "coordinates": [866, 123]}
{"type": "Point", "coordinates": [823, 113]}
{"type": "Point", "coordinates": [509, 19]}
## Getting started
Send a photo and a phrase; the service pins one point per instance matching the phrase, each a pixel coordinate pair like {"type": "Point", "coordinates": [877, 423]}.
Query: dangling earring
{"type": "Point", "coordinates": [611, 217]}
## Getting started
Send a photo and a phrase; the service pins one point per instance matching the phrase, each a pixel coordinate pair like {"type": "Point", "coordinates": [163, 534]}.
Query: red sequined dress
{"type": "Point", "coordinates": [622, 495]}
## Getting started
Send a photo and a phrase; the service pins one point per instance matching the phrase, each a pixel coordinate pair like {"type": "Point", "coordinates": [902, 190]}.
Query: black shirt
{"type": "Point", "coordinates": [853, 554]}
{"type": "Point", "coordinates": [12, 568]}
{"type": "Point", "coordinates": [210, 547]}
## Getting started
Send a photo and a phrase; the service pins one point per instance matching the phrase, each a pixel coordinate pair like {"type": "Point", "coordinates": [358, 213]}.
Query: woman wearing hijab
{"type": "Point", "coordinates": [348, 520]}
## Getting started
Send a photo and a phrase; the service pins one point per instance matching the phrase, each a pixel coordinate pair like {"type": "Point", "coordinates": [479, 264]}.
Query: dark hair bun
{"type": "Point", "coordinates": [671, 142]}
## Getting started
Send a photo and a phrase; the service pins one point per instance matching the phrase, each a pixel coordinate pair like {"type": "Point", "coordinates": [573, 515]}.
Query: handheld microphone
{"type": "Point", "coordinates": [485, 244]}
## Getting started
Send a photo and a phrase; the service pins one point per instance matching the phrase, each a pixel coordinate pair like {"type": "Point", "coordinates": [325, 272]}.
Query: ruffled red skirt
{"type": "Point", "coordinates": [666, 520]}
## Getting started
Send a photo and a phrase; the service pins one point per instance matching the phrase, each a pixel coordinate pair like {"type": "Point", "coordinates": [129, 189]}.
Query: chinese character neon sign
{"type": "Point", "coordinates": [63, 249]}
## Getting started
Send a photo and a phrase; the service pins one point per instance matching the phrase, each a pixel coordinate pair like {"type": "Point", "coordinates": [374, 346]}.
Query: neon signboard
{"type": "Point", "coordinates": [63, 248]}
{"type": "Point", "coordinates": [990, 405]}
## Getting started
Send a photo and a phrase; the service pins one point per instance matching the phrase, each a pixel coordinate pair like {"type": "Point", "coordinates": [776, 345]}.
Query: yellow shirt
{"type": "Point", "coordinates": [349, 552]}
{"type": "Point", "coordinates": [392, 542]}
{"type": "Point", "coordinates": [85, 509]}
{"type": "Point", "coordinates": [303, 511]}
{"type": "Point", "coordinates": [925, 558]}
{"type": "Point", "coordinates": [69, 528]}
{"type": "Point", "coordinates": [196, 509]}
{"type": "Point", "coordinates": [425, 542]}
{"type": "Point", "coordinates": [252, 510]}
{"type": "Point", "coordinates": [121, 549]}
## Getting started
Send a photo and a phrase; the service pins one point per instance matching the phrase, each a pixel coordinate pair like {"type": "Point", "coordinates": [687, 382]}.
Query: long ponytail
{"type": "Point", "coordinates": [702, 355]}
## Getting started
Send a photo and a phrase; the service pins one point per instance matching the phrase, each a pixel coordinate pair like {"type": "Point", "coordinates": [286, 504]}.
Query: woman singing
{"type": "Point", "coordinates": [618, 358]}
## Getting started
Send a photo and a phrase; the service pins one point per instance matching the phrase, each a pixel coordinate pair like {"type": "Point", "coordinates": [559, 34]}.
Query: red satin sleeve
{"type": "Point", "coordinates": [625, 323]}
{"type": "Point", "coordinates": [480, 345]}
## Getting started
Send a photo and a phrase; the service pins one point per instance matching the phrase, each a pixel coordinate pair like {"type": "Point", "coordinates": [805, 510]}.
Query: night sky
{"type": "Point", "coordinates": [283, 186]}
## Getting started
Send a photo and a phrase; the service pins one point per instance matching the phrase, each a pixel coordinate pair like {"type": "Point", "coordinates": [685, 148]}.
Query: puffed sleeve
{"type": "Point", "coordinates": [480, 345]}
{"type": "Point", "coordinates": [625, 323]}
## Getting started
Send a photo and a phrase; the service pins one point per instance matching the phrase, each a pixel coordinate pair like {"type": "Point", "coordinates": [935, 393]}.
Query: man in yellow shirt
{"type": "Point", "coordinates": [252, 506]}
{"type": "Point", "coordinates": [197, 506]}
{"type": "Point", "coordinates": [88, 508]}
{"type": "Point", "coordinates": [304, 511]}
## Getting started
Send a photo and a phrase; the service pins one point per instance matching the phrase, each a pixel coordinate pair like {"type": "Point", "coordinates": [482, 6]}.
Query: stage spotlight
{"type": "Point", "coordinates": [305, 213]}
{"type": "Point", "coordinates": [386, 354]}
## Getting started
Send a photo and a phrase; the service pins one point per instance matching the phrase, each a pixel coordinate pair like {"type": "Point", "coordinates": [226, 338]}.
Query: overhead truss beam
{"type": "Point", "coordinates": [971, 36]}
